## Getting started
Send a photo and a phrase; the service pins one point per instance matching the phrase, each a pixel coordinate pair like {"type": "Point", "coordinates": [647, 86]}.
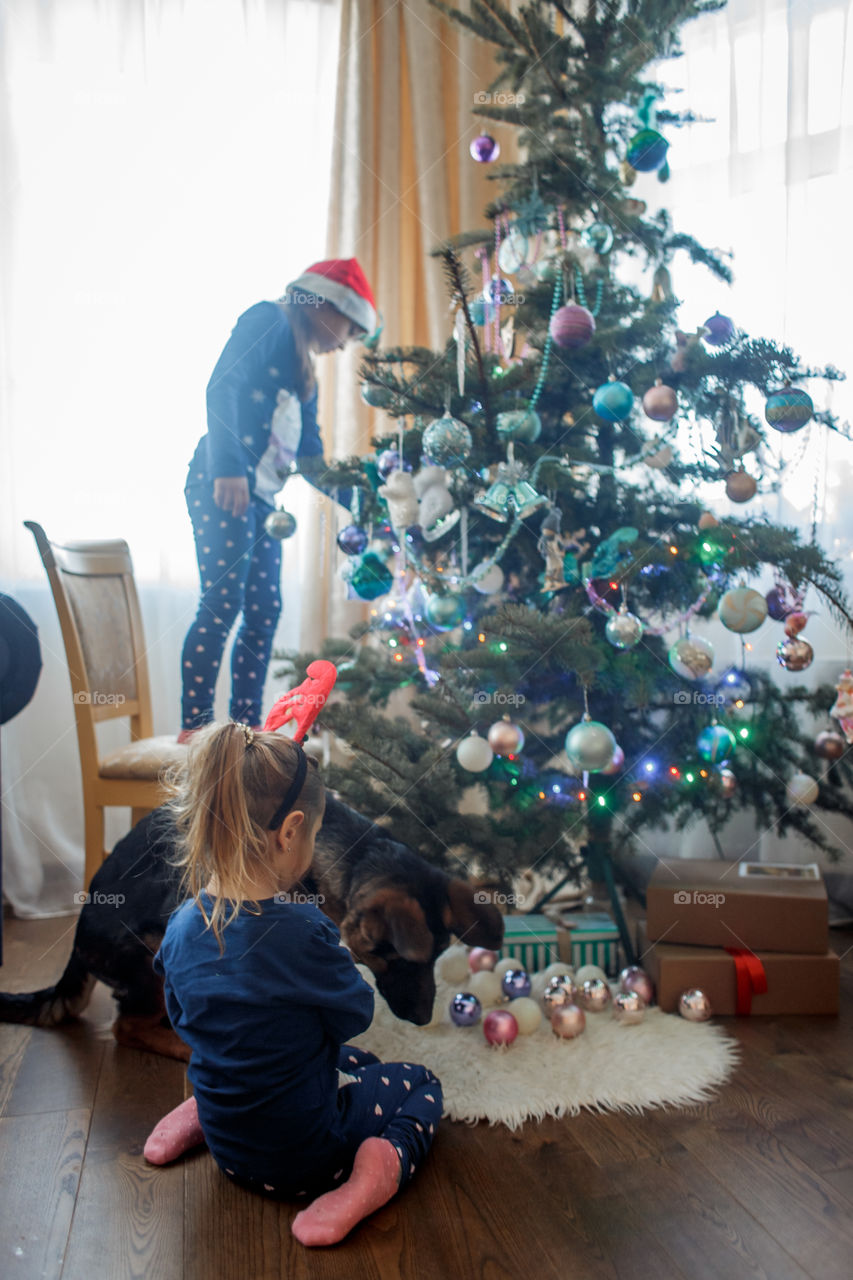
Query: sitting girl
{"type": "Point", "coordinates": [259, 987]}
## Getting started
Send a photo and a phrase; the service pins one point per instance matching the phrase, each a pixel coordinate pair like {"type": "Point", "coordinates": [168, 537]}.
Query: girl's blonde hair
{"type": "Point", "coordinates": [224, 799]}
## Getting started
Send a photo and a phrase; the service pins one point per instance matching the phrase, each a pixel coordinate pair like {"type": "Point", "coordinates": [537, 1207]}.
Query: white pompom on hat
{"type": "Point", "coordinates": [341, 282]}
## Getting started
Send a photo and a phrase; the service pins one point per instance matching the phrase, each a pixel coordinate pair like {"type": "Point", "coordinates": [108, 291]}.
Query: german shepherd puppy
{"type": "Point", "coordinates": [395, 912]}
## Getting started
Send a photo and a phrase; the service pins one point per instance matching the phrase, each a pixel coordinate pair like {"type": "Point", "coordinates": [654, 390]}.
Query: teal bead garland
{"type": "Point", "coordinates": [581, 293]}
{"type": "Point", "coordinates": [549, 342]}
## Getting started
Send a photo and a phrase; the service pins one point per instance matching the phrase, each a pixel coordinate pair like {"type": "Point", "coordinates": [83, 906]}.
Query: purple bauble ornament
{"type": "Point", "coordinates": [465, 1009]}
{"type": "Point", "coordinates": [352, 540]}
{"type": "Point", "coordinates": [572, 326]}
{"type": "Point", "coordinates": [388, 461]}
{"type": "Point", "coordinates": [515, 983]}
{"type": "Point", "coordinates": [480, 958]}
{"type": "Point", "coordinates": [500, 1027]}
{"type": "Point", "coordinates": [694, 1005]}
{"type": "Point", "coordinates": [636, 979]}
{"type": "Point", "coordinates": [720, 330]}
{"type": "Point", "coordinates": [777, 605]}
{"type": "Point", "coordinates": [485, 148]}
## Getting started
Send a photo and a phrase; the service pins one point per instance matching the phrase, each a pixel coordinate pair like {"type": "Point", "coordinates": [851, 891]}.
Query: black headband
{"type": "Point", "coordinates": [292, 791]}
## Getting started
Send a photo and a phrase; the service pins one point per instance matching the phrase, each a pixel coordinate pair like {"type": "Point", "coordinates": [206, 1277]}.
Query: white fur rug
{"type": "Point", "coordinates": [663, 1061]}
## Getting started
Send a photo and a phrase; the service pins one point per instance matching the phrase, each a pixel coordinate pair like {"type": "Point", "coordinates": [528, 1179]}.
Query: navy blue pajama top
{"type": "Point", "coordinates": [265, 1021]}
{"type": "Point", "coordinates": [258, 362]}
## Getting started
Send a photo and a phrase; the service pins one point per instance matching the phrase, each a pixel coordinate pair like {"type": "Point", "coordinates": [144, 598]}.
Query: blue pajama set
{"type": "Point", "coordinates": [267, 1022]}
{"type": "Point", "coordinates": [256, 427]}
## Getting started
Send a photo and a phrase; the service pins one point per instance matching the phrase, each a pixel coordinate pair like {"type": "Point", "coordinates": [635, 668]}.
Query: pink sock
{"type": "Point", "coordinates": [175, 1134]}
{"type": "Point", "coordinates": [375, 1178]}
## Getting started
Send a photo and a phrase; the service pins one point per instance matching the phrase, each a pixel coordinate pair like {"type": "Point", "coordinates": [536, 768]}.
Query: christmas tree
{"type": "Point", "coordinates": [528, 530]}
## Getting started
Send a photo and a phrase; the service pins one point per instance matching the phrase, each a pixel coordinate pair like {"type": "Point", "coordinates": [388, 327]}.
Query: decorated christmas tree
{"type": "Point", "coordinates": [529, 530]}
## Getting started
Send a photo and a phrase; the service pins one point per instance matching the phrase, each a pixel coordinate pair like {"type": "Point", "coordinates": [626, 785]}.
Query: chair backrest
{"type": "Point", "coordinates": [95, 596]}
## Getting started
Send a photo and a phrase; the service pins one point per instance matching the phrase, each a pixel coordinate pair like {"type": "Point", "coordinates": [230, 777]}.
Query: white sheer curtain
{"type": "Point", "coordinates": [770, 178]}
{"type": "Point", "coordinates": [166, 164]}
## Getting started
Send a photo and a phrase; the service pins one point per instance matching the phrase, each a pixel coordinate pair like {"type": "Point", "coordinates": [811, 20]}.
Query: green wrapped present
{"type": "Point", "coordinates": [590, 938]}
{"type": "Point", "coordinates": [531, 940]}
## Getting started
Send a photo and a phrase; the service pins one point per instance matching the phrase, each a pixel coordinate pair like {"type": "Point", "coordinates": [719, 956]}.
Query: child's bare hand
{"type": "Point", "coordinates": [231, 493]}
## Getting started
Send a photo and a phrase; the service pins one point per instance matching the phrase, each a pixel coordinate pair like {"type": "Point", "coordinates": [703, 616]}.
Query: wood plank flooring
{"type": "Point", "coordinates": [758, 1183]}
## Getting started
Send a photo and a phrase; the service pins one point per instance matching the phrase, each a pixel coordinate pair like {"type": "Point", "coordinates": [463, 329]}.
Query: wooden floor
{"type": "Point", "coordinates": [756, 1184]}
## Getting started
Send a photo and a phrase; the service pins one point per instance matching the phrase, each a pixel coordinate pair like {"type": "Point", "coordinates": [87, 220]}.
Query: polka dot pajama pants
{"type": "Point", "coordinates": [400, 1101]}
{"type": "Point", "coordinates": [240, 569]}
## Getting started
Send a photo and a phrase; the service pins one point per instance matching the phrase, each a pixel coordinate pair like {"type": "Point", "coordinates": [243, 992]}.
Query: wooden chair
{"type": "Point", "coordinates": [95, 596]}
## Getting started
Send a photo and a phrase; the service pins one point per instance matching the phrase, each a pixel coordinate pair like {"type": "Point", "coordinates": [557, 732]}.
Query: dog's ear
{"type": "Point", "coordinates": [391, 916]}
{"type": "Point", "coordinates": [476, 923]}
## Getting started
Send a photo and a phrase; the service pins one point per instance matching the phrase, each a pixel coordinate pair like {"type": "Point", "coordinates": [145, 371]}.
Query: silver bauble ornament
{"type": "Point", "coordinates": [474, 753]}
{"type": "Point", "coordinates": [280, 524]}
{"type": "Point", "coordinates": [624, 629]}
{"type": "Point", "coordinates": [505, 738]}
{"type": "Point", "coordinates": [446, 441]}
{"type": "Point", "coordinates": [802, 790]}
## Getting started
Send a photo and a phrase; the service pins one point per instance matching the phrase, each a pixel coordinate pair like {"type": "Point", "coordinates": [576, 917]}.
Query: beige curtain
{"type": "Point", "coordinates": [402, 181]}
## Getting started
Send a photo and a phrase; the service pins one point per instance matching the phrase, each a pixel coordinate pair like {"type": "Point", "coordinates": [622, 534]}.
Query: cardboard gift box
{"type": "Point", "coordinates": [710, 903]}
{"type": "Point", "coordinates": [531, 940]}
{"type": "Point", "coordinates": [741, 981]}
{"type": "Point", "coordinates": [589, 938]}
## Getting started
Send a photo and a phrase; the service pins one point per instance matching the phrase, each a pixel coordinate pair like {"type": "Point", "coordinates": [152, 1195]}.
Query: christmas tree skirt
{"type": "Point", "coordinates": [663, 1061]}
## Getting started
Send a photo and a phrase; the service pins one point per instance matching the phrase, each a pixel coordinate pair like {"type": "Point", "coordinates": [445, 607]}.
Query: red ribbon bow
{"type": "Point", "coordinates": [749, 975]}
{"type": "Point", "coordinates": [304, 703]}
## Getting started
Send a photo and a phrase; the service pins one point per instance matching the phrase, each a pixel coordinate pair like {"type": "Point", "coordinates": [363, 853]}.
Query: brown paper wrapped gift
{"type": "Point", "coordinates": [707, 902]}
{"type": "Point", "coordinates": [794, 983]}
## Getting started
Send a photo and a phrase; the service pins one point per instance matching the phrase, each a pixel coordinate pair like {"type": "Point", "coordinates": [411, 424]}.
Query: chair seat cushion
{"type": "Point", "coordinates": [146, 758]}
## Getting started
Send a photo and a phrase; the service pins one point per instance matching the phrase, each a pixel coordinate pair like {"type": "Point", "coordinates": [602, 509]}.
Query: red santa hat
{"type": "Point", "coordinates": [341, 282]}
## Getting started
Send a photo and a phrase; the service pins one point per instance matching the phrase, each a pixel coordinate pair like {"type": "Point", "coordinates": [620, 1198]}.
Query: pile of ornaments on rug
{"type": "Point", "coordinates": [559, 993]}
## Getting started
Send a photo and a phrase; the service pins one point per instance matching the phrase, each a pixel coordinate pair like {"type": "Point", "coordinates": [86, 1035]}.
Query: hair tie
{"type": "Point", "coordinates": [248, 734]}
{"type": "Point", "coordinates": [292, 791]}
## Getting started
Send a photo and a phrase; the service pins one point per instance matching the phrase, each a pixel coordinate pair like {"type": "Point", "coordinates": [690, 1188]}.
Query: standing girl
{"type": "Point", "coordinates": [261, 419]}
{"type": "Point", "coordinates": [260, 989]}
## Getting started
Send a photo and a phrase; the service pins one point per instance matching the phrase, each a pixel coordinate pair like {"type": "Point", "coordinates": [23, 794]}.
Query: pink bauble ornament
{"type": "Point", "coordinates": [740, 486]}
{"type": "Point", "coordinates": [568, 1021]}
{"type": "Point", "coordinates": [694, 1005]}
{"type": "Point", "coordinates": [629, 1008]}
{"type": "Point", "coordinates": [505, 738]}
{"type": "Point", "coordinates": [636, 979]}
{"type": "Point", "coordinates": [660, 402]}
{"type": "Point", "coordinates": [795, 622]}
{"type": "Point", "coordinates": [479, 959]}
{"type": "Point", "coordinates": [572, 326]}
{"type": "Point", "coordinates": [500, 1027]}
{"type": "Point", "coordinates": [594, 995]}
{"type": "Point", "coordinates": [707, 521]}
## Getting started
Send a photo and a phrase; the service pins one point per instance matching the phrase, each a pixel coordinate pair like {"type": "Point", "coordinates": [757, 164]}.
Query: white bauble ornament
{"type": "Point", "coordinates": [452, 965]}
{"type": "Point", "coordinates": [556, 969]}
{"type": "Point", "coordinates": [488, 580]}
{"type": "Point", "coordinates": [587, 971]}
{"type": "Point", "coordinates": [692, 657]}
{"type": "Point", "coordinates": [527, 1014]}
{"type": "Point", "coordinates": [802, 789]}
{"type": "Point", "coordinates": [486, 986]}
{"type": "Point", "coordinates": [504, 966]}
{"type": "Point", "coordinates": [742, 609]}
{"type": "Point", "coordinates": [474, 753]}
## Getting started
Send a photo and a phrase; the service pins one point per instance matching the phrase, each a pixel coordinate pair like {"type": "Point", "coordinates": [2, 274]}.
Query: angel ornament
{"type": "Point", "coordinates": [842, 708]}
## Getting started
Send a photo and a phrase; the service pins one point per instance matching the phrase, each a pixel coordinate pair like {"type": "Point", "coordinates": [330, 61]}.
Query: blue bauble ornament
{"type": "Point", "coordinates": [515, 983]}
{"type": "Point", "coordinates": [524, 425]}
{"type": "Point", "coordinates": [613, 401]}
{"type": "Point", "coordinates": [352, 540]}
{"type": "Point", "coordinates": [647, 150]}
{"type": "Point", "coordinates": [445, 612]}
{"type": "Point", "coordinates": [716, 743]}
{"type": "Point", "coordinates": [599, 236]}
{"type": "Point", "coordinates": [446, 441]}
{"type": "Point", "coordinates": [789, 409]}
{"type": "Point", "coordinates": [369, 576]}
{"type": "Point", "coordinates": [590, 746]}
{"type": "Point", "coordinates": [388, 461]}
{"type": "Point", "coordinates": [465, 1009]}
{"type": "Point", "coordinates": [720, 328]}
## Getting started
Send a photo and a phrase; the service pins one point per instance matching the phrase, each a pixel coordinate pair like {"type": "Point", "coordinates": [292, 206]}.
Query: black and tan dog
{"type": "Point", "coordinates": [395, 912]}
